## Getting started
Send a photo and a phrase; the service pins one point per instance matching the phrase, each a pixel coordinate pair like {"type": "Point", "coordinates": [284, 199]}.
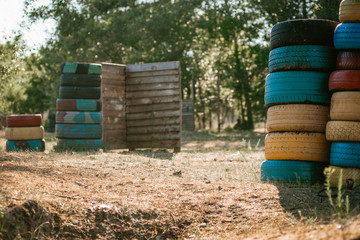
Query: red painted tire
{"type": "Point", "coordinates": [28, 120]}
{"type": "Point", "coordinates": [348, 60]}
{"type": "Point", "coordinates": [344, 80]}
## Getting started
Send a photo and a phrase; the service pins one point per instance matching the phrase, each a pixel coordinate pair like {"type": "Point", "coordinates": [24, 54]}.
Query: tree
{"type": "Point", "coordinates": [13, 79]}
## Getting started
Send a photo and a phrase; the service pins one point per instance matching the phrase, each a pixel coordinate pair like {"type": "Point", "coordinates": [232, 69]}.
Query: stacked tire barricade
{"type": "Point", "coordinates": [78, 116]}
{"type": "Point", "coordinates": [297, 96]}
{"type": "Point", "coordinates": [24, 133]}
{"type": "Point", "coordinates": [344, 128]}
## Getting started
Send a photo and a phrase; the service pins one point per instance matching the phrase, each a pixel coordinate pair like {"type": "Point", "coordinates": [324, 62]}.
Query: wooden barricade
{"type": "Point", "coordinates": [153, 105]}
{"type": "Point", "coordinates": [113, 105]}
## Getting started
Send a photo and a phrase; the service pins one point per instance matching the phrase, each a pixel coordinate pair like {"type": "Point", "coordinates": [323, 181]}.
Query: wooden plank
{"type": "Point", "coordinates": [112, 77]}
{"type": "Point", "coordinates": [155, 144]}
{"type": "Point", "coordinates": [112, 127]}
{"type": "Point", "coordinates": [113, 68]}
{"type": "Point", "coordinates": [152, 129]}
{"type": "Point", "coordinates": [154, 122]}
{"type": "Point", "coordinates": [148, 87]}
{"type": "Point", "coordinates": [113, 93]}
{"type": "Point", "coordinates": [159, 93]}
{"type": "Point", "coordinates": [109, 113]}
{"type": "Point", "coordinates": [113, 83]}
{"type": "Point", "coordinates": [153, 100]}
{"type": "Point", "coordinates": [148, 80]}
{"type": "Point", "coordinates": [151, 74]}
{"type": "Point", "coordinates": [113, 106]}
{"type": "Point", "coordinates": [108, 100]}
{"type": "Point", "coordinates": [153, 107]}
{"type": "Point", "coordinates": [152, 115]}
{"type": "Point", "coordinates": [153, 66]}
{"type": "Point", "coordinates": [114, 120]}
{"type": "Point", "coordinates": [152, 137]}
{"type": "Point", "coordinates": [119, 134]}
{"type": "Point", "coordinates": [119, 89]}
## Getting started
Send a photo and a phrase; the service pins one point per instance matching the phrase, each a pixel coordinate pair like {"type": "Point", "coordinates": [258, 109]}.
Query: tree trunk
{"type": "Point", "coordinates": [218, 103]}
{"type": "Point", "coordinates": [250, 121]}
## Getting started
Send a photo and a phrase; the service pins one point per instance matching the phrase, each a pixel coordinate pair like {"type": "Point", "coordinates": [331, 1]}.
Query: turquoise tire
{"type": "Point", "coordinates": [79, 131]}
{"type": "Point", "coordinates": [345, 154]}
{"type": "Point", "coordinates": [302, 57]}
{"type": "Point", "coordinates": [347, 36]}
{"type": "Point", "coordinates": [297, 87]}
{"type": "Point", "coordinates": [25, 145]}
{"type": "Point", "coordinates": [292, 171]}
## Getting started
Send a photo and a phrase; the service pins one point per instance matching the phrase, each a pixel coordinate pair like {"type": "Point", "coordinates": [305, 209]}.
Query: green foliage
{"type": "Point", "coordinates": [12, 75]}
{"type": "Point", "coordinates": [341, 206]}
{"type": "Point", "coordinates": [221, 42]}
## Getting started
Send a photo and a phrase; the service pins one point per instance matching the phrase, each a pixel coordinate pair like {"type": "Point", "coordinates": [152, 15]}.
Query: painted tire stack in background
{"type": "Point", "coordinates": [24, 133]}
{"type": "Point", "coordinates": [78, 117]}
{"type": "Point", "coordinates": [297, 97]}
{"type": "Point", "coordinates": [343, 130]}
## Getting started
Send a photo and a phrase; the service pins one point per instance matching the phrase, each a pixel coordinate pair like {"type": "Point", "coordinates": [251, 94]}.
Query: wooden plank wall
{"type": "Point", "coordinates": [113, 105]}
{"type": "Point", "coordinates": [153, 105]}
{"type": "Point", "coordinates": [188, 119]}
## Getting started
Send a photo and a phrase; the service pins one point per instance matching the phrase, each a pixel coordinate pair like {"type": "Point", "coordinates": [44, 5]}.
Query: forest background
{"type": "Point", "coordinates": [223, 48]}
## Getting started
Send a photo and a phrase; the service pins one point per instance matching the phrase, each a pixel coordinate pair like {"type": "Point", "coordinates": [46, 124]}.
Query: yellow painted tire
{"type": "Point", "coordinates": [24, 133]}
{"type": "Point", "coordinates": [350, 176]}
{"type": "Point", "coordinates": [297, 146]}
{"type": "Point", "coordinates": [345, 106]}
{"type": "Point", "coordinates": [349, 11]}
{"type": "Point", "coordinates": [343, 131]}
{"type": "Point", "coordinates": [297, 118]}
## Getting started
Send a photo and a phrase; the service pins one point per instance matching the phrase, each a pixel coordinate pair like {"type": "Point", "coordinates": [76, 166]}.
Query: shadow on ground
{"type": "Point", "coordinates": [311, 203]}
{"type": "Point", "coordinates": [158, 154]}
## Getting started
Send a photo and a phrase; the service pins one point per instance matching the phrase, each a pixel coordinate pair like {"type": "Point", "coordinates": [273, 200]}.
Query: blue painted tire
{"type": "Point", "coordinates": [78, 117]}
{"type": "Point", "coordinates": [347, 36]}
{"type": "Point", "coordinates": [297, 87]}
{"type": "Point", "coordinates": [25, 145]}
{"type": "Point", "coordinates": [79, 131]}
{"type": "Point", "coordinates": [292, 171]}
{"type": "Point", "coordinates": [81, 68]}
{"type": "Point", "coordinates": [86, 105]}
{"type": "Point", "coordinates": [79, 143]}
{"type": "Point", "coordinates": [302, 57]}
{"type": "Point", "coordinates": [345, 154]}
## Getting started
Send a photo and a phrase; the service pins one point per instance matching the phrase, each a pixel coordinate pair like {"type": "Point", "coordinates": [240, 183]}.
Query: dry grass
{"type": "Point", "coordinates": [210, 190]}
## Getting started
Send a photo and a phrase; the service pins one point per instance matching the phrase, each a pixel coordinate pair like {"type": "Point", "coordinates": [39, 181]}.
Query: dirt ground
{"type": "Point", "coordinates": [210, 190]}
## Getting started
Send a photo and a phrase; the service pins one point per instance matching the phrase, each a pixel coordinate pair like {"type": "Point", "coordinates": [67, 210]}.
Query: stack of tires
{"type": "Point", "coordinates": [24, 133]}
{"type": "Point", "coordinates": [344, 128]}
{"type": "Point", "coordinates": [296, 94]}
{"type": "Point", "coordinates": [78, 117]}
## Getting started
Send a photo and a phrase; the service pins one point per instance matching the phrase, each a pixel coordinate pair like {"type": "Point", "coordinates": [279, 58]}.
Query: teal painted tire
{"type": "Point", "coordinates": [297, 87]}
{"type": "Point", "coordinates": [25, 145]}
{"type": "Point", "coordinates": [292, 171]}
{"type": "Point", "coordinates": [81, 68]}
{"type": "Point", "coordinates": [347, 36]}
{"type": "Point", "coordinates": [86, 105]}
{"type": "Point", "coordinates": [81, 80]}
{"type": "Point", "coordinates": [345, 154]}
{"type": "Point", "coordinates": [80, 131]}
{"type": "Point", "coordinates": [78, 117]}
{"type": "Point", "coordinates": [79, 92]}
{"type": "Point", "coordinates": [79, 144]}
{"type": "Point", "coordinates": [302, 57]}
